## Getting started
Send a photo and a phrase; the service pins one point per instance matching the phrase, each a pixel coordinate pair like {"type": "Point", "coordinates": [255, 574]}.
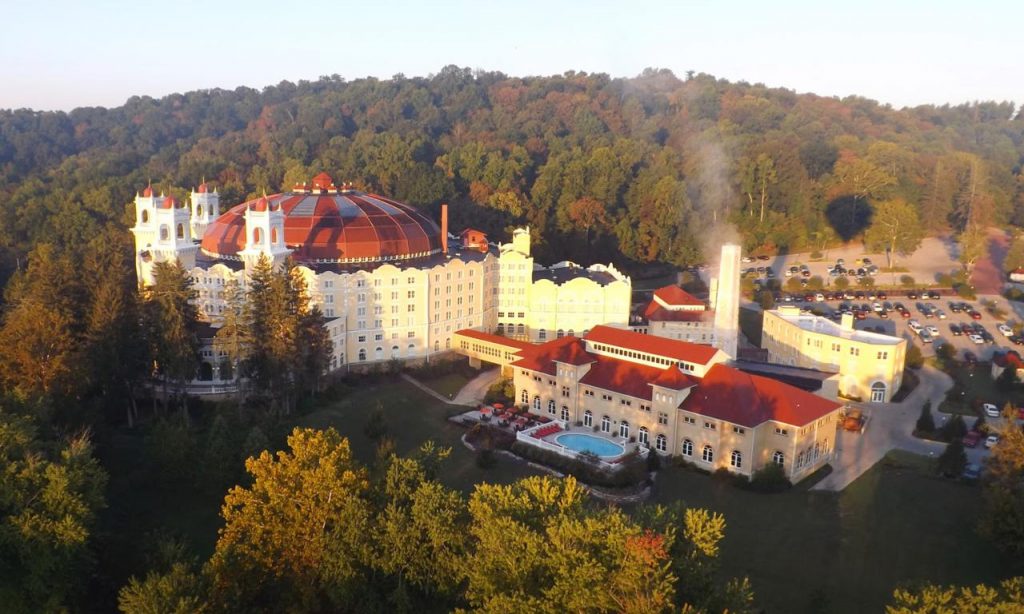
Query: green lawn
{"type": "Point", "coordinates": [896, 523]}
{"type": "Point", "coordinates": [412, 418]}
{"type": "Point", "coordinates": [750, 324]}
{"type": "Point", "coordinates": [447, 385]}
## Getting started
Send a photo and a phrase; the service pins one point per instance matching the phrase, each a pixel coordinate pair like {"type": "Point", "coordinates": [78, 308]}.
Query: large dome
{"type": "Point", "coordinates": [325, 223]}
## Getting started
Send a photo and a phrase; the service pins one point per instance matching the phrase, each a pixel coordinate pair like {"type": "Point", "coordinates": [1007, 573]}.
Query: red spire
{"type": "Point", "coordinates": [148, 192]}
{"type": "Point", "coordinates": [323, 181]}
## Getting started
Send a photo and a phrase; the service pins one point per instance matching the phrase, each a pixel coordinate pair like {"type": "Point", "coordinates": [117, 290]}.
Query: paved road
{"type": "Point", "coordinates": [890, 427]}
{"type": "Point", "coordinates": [475, 390]}
{"type": "Point", "coordinates": [988, 271]}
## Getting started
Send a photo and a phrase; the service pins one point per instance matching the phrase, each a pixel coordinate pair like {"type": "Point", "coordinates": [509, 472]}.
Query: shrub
{"type": "Point", "coordinates": [841, 283]}
{"type": "Point", "coordinates": [766, 300]}
{"type": "Point", "coordinates": [866, 282]}
{"type": "Point", "coordinates": [501, 391]}
{"type": "Point", "coordinates": [907, 281]}
{"type": "Point", "coordinates": [945, 352]}
{"type": "Point", "coordinates": [925, 422]}
{"type": "Point", "coordinates": [815, 283]}
{"type": "Point", "coordinates": [1014, 294]}
{"type": "Point", "coordinates": [653, 461]}
{"type": "Point", "coordinates": [485, 459]}
{"type": "Point", "coordinates": [914, 359]}
{"type": "Point", "coordinates": [954, 429]}
{"type": "Point", "coordinates": [944, 279]}
{"type": "Point", "coordinates": [953, 459]}
{"type": "Point", "coordinates": [816, 255]}
{"type": "Point", "coordinates": [770, 478]}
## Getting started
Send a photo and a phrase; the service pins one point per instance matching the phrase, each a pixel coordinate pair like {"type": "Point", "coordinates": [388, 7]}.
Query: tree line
{"type": "Point", "coordinates": [634, 168]}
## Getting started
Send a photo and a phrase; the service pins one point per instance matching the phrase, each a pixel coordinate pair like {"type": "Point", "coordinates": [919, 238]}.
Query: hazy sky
{"type": "Point", "coordinates": [61, 54]}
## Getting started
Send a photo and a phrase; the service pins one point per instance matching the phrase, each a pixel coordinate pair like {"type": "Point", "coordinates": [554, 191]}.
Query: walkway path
{"type": "Point", "coordinates": [470, 394]}
{"type": "Point", "coordinates": [890, 427]}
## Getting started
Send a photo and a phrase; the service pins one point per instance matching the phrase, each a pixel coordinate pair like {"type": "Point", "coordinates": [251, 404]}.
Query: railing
{"type": "Point", "coordinates": [526, 436]}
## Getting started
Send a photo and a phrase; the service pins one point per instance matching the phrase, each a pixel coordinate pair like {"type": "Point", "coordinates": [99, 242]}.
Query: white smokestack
{"type": "Point", "coordinates": [727, 300]}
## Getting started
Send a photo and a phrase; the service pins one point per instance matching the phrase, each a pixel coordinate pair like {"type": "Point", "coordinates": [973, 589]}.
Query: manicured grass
{"type": "Point", "coordinates": [897, 523]}
{"type": "Point", "coordinates": [447, 385]}
{"type": "Point", "coordinates": [412, 417]}
{"type": "Point", "coordinates": [750, 324]}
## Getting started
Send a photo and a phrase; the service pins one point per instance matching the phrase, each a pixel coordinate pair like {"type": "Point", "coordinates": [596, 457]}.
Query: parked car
{"type": "Point", "coordinates": [926, 337]}
{"type": "Point", "coordinates": [954, 307]}
{"type": "Point", "coordinates": [975, 315]}
{"type": "Point", "coordinates": [990, 410]}
{"type": "Point", "coordinates": [853, 420]}
{"type": "Point", "coordinates": [940, 314]}
{"type": "Point", "coordinates": [991, 440]}
{"type": "Point", "coordinates": [970, 358]}
{"type": "Point", "coordinates": [976, 339]}
{"type": "Point", "coordinates": [955, 329]}
{"type": "Point", "coordinates": [972, 471]}
{"type": "Point", "coordinates": [971, 439]}
{"type": "Point", "coordinates": [762, 257]}
{"type": "Point", "coordinates": [914, 325]}
{"type": "Point", "coordinates": [932, 330]}
{"type": "Point", "coordinates": [1006, 330]}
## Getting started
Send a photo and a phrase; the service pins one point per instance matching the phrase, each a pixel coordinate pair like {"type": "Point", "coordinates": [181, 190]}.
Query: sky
{"type": "Point", "coordinates": [62, 54]}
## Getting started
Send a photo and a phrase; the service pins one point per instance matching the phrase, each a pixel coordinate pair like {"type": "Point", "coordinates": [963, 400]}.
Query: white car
{"type": "Point", "coordinates": [819, 297]}
{"type": "Point", "coordinates": [926, 337]}
{"type": "Point", "coordinates": [914, 325]}
{"type": "Point", "coordinates": [748, 259]}
{"type": "Point", "coordinates": [877, 307]}
{"type": "Point", "coordinates": [990, 410]}
{"type": "Point", "coordinates": [940, 314]}
{"type": "Point", "coordinates": [991, 440]}
{"type": "Point", "coordinates": [1006, 330]}
{"type": "Point", "coordinates": [976, 339]}
{"type": "Point", "coordinates": [933, 331]}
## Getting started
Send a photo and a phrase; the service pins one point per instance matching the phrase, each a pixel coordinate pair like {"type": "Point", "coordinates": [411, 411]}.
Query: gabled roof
{"type": "Point", "coordinates": [569, 350]}
{"type": "Point", "coordinates": [726, 393]}
{"type": "Point", "coordinates": [674, 295]}
{"type": "Point", "coordinates": [632, 379]}
{"type": "Point", "coordinates": [660, 346]}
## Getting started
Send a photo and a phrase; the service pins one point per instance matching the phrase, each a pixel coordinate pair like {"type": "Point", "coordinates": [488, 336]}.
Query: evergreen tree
{"type": "Point", "coordinates": [953, 459]}
{"type": "Point", "coordinates": [172, 328]}
{"type": "Point", "coordinates": [925, 422]}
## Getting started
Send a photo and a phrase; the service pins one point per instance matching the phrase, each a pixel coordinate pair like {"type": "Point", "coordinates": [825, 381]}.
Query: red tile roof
{"type": "Point", "coordinates": [674, 295]}
{"type": "Point", "coordinates": [543, 357]}
{"type": "Point", "coordinates": [748, 400]}
{"type": "Point", "coordinates": [659, 346]}
{"type": "Point", "coordinates": [632, 379]}
{"type": "Point", "coordinates": [657, 313]}
{"type": "Point", "coordinates": [482, 336]}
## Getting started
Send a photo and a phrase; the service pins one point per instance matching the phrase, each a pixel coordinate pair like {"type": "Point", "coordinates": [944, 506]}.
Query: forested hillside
{"type": "Point", "coordinates": [633, 169]}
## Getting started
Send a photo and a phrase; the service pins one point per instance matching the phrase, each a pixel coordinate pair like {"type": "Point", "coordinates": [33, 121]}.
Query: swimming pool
{"type": "Point", "coordinates": [589, 443]}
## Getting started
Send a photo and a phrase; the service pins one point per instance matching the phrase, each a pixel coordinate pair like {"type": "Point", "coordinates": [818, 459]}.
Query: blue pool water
{"type": "Point", "coordinates": [589, 443]}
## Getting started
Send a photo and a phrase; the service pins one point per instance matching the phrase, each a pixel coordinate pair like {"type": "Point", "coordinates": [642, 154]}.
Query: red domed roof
{"type": "Point", "coordinates": [332, 225]}
{"type": "Point", "coordinates": [202, 189]}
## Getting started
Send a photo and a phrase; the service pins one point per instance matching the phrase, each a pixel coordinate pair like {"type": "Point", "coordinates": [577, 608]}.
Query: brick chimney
{"type": "Point", "coordinates": [444, 228]}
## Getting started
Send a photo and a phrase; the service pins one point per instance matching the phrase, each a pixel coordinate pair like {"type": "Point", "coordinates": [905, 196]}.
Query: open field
{"type": "Point", "coordinates": [896, 523]}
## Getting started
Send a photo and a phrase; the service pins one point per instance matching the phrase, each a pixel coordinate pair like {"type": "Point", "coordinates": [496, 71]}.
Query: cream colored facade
{"type": "Point", "coordinates": [538, 303]}
{"type": "Point", "coordinates": [870, 365]}
{"type": "Point", "coordinates": [669, 429]}
{"type": "Point", "coordinates": [385, 310]}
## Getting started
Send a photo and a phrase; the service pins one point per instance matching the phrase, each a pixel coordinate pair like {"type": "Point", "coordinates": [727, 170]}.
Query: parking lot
{"type": "Point", "coordinates": [871, 313]}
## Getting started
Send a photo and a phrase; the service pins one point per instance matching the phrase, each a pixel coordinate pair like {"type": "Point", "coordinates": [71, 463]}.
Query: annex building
{"type": "Point", "coordinates": [675, 397]}
{"type": "Point", "coordinates": [870, 365]}
{"type": "Point", "coordinates": [390, 281]}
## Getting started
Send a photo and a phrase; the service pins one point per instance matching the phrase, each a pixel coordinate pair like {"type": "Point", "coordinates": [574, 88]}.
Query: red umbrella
{"type": "Point", "coordinates": [485, 410]}
{"type": "Point", "coordinates": [499, 406]}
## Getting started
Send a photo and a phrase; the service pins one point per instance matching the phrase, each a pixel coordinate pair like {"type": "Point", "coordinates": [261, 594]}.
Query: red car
{"type": "Point", "coordinates": [975, 315]}
{"type": "Point", "coordinates": [971, 439]}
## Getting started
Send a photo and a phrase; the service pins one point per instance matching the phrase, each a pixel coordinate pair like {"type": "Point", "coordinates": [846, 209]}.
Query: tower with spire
{"type": "Point", "coordinates": [163, 233]}
{"type": "Point", "coordinates": [205, 208]}
{"type": "Point", "coordinates": [264, 233]}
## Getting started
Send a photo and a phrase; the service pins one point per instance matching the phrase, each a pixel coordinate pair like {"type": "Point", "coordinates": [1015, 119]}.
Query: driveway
{"type": "Point", "coordinates": [890, 427]}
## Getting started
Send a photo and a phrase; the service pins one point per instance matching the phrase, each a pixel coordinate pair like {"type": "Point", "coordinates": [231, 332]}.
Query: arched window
{"type": "Point", "coordinates": [588, 418]}
{"type": "Point", "coordinates": [448, 343]}
{"type": "Point", "coordinates": [561, 333]}
{"type": "Point", "coordinates": [379, 353]}
{"type": "Point", "coordinates": [145, 216]}
{"type": "Point", "coordinates": [181, 231]}
{"type": "Point", "coordinates": [736, 459]}
{"type": "Point", "coordinates": [394, 351]}
{"type": "Point", "coordinates": [565, 413]}
{"type": "Point", "coordinates": [642, 436]}
{"type": "Point", "coordinates": [536, 404]}
{"type": "Point", "coordinates": [661, 443]}
{"type": "Point", "coordinates": [521, 329]}
{"type": "Point", "coordinates": [165, 232]}
{"type": "Point", "coordinates": [199, 210]}
{"type": "Point", "coordinates": [257, 236]}
{"type": "Point", "coordinates": [817, 450]}
{"type": "Point", "coordinates": [411, 348]}
{"type": "Point", "coordinates": [799, 460]}
{"type": "Point", "coordinates": [525, 396]}
{"type": "Point", "coordinates": [779, 458]}
{"type": "Point", "coordinates": [501, 329]}
{"type": "Point", "coordinates": [708, 455]}
{"type": "Point", "coordinates": [542, 335]}
{"type": "Point", "coordinates": [362, 355]}
{"type": "Point", "coordinates": [606, 424]}
{"type": "Point", "coordinates": [226, 372]}
{"type": "Point", "coordinates": [437, 345]}
{"type": "Point", "coordinates": [687, 447]}
{"type": "Point", "coordinates": [571, 333]}
{"type": "Point", "coordinates": [878, 392]}
{"type": "Point", "coordinates": [623, 429]}
{"type": "Point", "coordinates": [551, 407]}
{"type": "Point", "coordinates": [273, 236]}
{"type": "Point", "coordinates": [205, 372]}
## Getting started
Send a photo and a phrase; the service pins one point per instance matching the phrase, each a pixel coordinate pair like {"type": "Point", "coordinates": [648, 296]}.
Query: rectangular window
{"type": "Point", "coordinates": [781, 431]}
{"type": "Point", "coordinates": [362, 338]}
{"type": "Point", "coordinates": [689, 420]}
{"type": "Point", "coordinates": [710, 426]}
{"type": "Point", "coordinates": [739, 430]}
{"type": "Point", "coordinates": [662, 418]}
